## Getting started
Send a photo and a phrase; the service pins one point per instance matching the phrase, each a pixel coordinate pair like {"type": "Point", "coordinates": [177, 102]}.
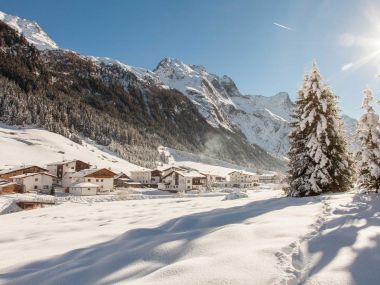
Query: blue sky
{"type": "Point", "coordinates": [237, 38]}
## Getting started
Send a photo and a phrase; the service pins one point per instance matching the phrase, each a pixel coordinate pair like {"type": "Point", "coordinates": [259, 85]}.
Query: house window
{"type": "Point", "coordinates": [188, 181]}
{"type": "Point", "coordinates": [97, 180]}
{"type": "Point", "coordinates": [36, 179]}
{"type": "Point", "coordinates": [101, 180]}
{"type": "Point", "coordinates": [35, 186]}
{"type": "Point", "coordinates": [89, 180]}
{"type": "Point", "coordinates": [188, 187]}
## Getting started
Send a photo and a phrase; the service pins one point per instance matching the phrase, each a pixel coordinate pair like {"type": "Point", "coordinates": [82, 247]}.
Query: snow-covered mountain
{"type": "Point", "coordinates": [30, 30]}
{"type": "Point", "coordinates": [264, 121]}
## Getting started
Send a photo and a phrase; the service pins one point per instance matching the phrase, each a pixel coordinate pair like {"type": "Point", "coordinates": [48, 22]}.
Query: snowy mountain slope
{"type": "Point", "coordinates": [203, 89]}
{"type": "Point", "coordinates": [30, 30]}
{"type": "Point", "coordinates": [38, 146]}
{"type": "Point", "coordinates": [263, 120]}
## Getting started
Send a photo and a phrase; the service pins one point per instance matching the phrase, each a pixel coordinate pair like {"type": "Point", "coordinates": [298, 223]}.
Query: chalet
{"type": "Point", "coordinates": [34, 182]}
{"type": "Point", "coordinates": [7, 173]}
{"type": "Point", "coordinates": [156, 176]}
{"type": "Point", "coordinates": [102, 177]}
{"type": "Point", "coordinates": [142, 176]}
{"type": "Point", "coordinates": [84, 189]}
{"type": "Point", "coordinates": [242, 179]}
{"type": "Point", "coordinates": [181, 181]}
{"type": "Point", "coordinates": [169, 169]}
{"type": "Point", "coordinates": [122, 180]}
{"type": "Point", "coordinates": [269, 178]}
{"type": "Point", "coordinates": [7, 187]}
{"type": "Point", "coordinates": [60, 168]}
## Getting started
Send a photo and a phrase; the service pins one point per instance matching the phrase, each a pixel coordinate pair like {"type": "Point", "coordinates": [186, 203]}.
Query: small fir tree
{"type": "Point", "coordinates": [369, 154]}
{"type": "Point", "coordinates": [318, 158]}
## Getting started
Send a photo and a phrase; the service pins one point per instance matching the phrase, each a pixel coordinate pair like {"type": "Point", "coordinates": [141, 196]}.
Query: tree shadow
{"type": "Point", "coordinates": [156, 247]}
{"type": "Point", "coordinates": [342, 232]}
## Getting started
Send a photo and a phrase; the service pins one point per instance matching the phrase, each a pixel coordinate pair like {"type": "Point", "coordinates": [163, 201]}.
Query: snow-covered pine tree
{"type": "Point", "coordinates": [318, 157]}
{"type": "Point", "coordinates": [369, 154]}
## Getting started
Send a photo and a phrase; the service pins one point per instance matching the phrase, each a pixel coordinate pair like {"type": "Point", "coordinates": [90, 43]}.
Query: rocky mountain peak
{"type": "Point", "coordinates": [30, 30]}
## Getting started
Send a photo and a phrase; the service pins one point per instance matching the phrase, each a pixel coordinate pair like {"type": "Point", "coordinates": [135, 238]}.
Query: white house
{"type": "Point", "coordinates": [84, 189]}
{"type": "Point", "coordinates": [142, 176]}
{"type": "Point", "coordinates": [242, 179]}
{"type": "Point", "coordinates": [34, 182]}
{"type": "Point", "coordinates": [102, 177]}
{"type": "Point", "coordinates": [181, 181]}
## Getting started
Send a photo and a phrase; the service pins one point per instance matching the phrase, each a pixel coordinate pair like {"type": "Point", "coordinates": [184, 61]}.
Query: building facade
{"type": "Point", "coordinates": [59, 169]}
{"type": "Point", "coordinates": [41, 182]}
{"type": "Point", "coordinates": [180, 181]}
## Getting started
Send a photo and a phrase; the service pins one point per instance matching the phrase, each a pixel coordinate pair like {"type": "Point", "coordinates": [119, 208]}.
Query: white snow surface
{"type": "Point", "coordinates": [262, 239]}
{"type": "Point", "coordinates": [30, 30]}
{"type": "Point", "coordinates": [37, 146]}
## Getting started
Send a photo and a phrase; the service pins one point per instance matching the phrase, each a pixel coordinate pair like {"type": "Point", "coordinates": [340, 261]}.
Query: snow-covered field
{"type": "Point", "coordinates": [262, 239]}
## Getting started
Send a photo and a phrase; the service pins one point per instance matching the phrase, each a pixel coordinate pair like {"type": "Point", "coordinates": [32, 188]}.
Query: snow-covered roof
{"type": "Point", "coordinates": [84, 185]}
{"type": "Point", "coordinates": [32, 174]}
{"type": "Point", "coordinates": [191, 174]}
{"type": "Point", "coordinates": [86, 172]}
{"type": "Point", "coordinates": [141, 170]}
{"type": "Point", "coordinates": [4, 183]}
{"type": "Point", "coordinates": [243, 172]}
{"type": "Point", "coordinates": [5, 171]}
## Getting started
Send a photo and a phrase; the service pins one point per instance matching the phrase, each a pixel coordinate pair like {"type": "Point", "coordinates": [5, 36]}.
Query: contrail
{"type": "Point", "coordinates": [283, 27]}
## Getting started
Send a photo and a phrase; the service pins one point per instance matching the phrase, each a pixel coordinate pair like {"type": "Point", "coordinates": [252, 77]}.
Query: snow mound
{"type": "Point", "coordinates": [235, 195]}
{"type": "Point", "coordinates": [8, 206]}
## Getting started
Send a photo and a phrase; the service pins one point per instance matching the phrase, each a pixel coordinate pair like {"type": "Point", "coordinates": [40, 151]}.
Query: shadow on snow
{"type": "Point", "coordinates": [93, 264]}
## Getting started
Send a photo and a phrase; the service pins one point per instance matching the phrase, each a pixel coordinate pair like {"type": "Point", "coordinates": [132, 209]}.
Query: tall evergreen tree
{"type": "Point", "coordinates": [369, 154]}
{"type": "Point", "coordinates": [318, 158]}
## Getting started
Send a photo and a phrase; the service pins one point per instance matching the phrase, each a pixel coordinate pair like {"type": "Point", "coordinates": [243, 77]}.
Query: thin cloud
{"type": "Point", "coordinates": [283, 27]}
{"type": "Point", "coordinates": [347, 66]}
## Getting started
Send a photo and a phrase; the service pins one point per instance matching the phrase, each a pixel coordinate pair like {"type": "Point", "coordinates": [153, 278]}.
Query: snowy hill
{"type": "Point", "coordinates": [37, 146]}
{"type": "Point", "coordinates": [30, 30]}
